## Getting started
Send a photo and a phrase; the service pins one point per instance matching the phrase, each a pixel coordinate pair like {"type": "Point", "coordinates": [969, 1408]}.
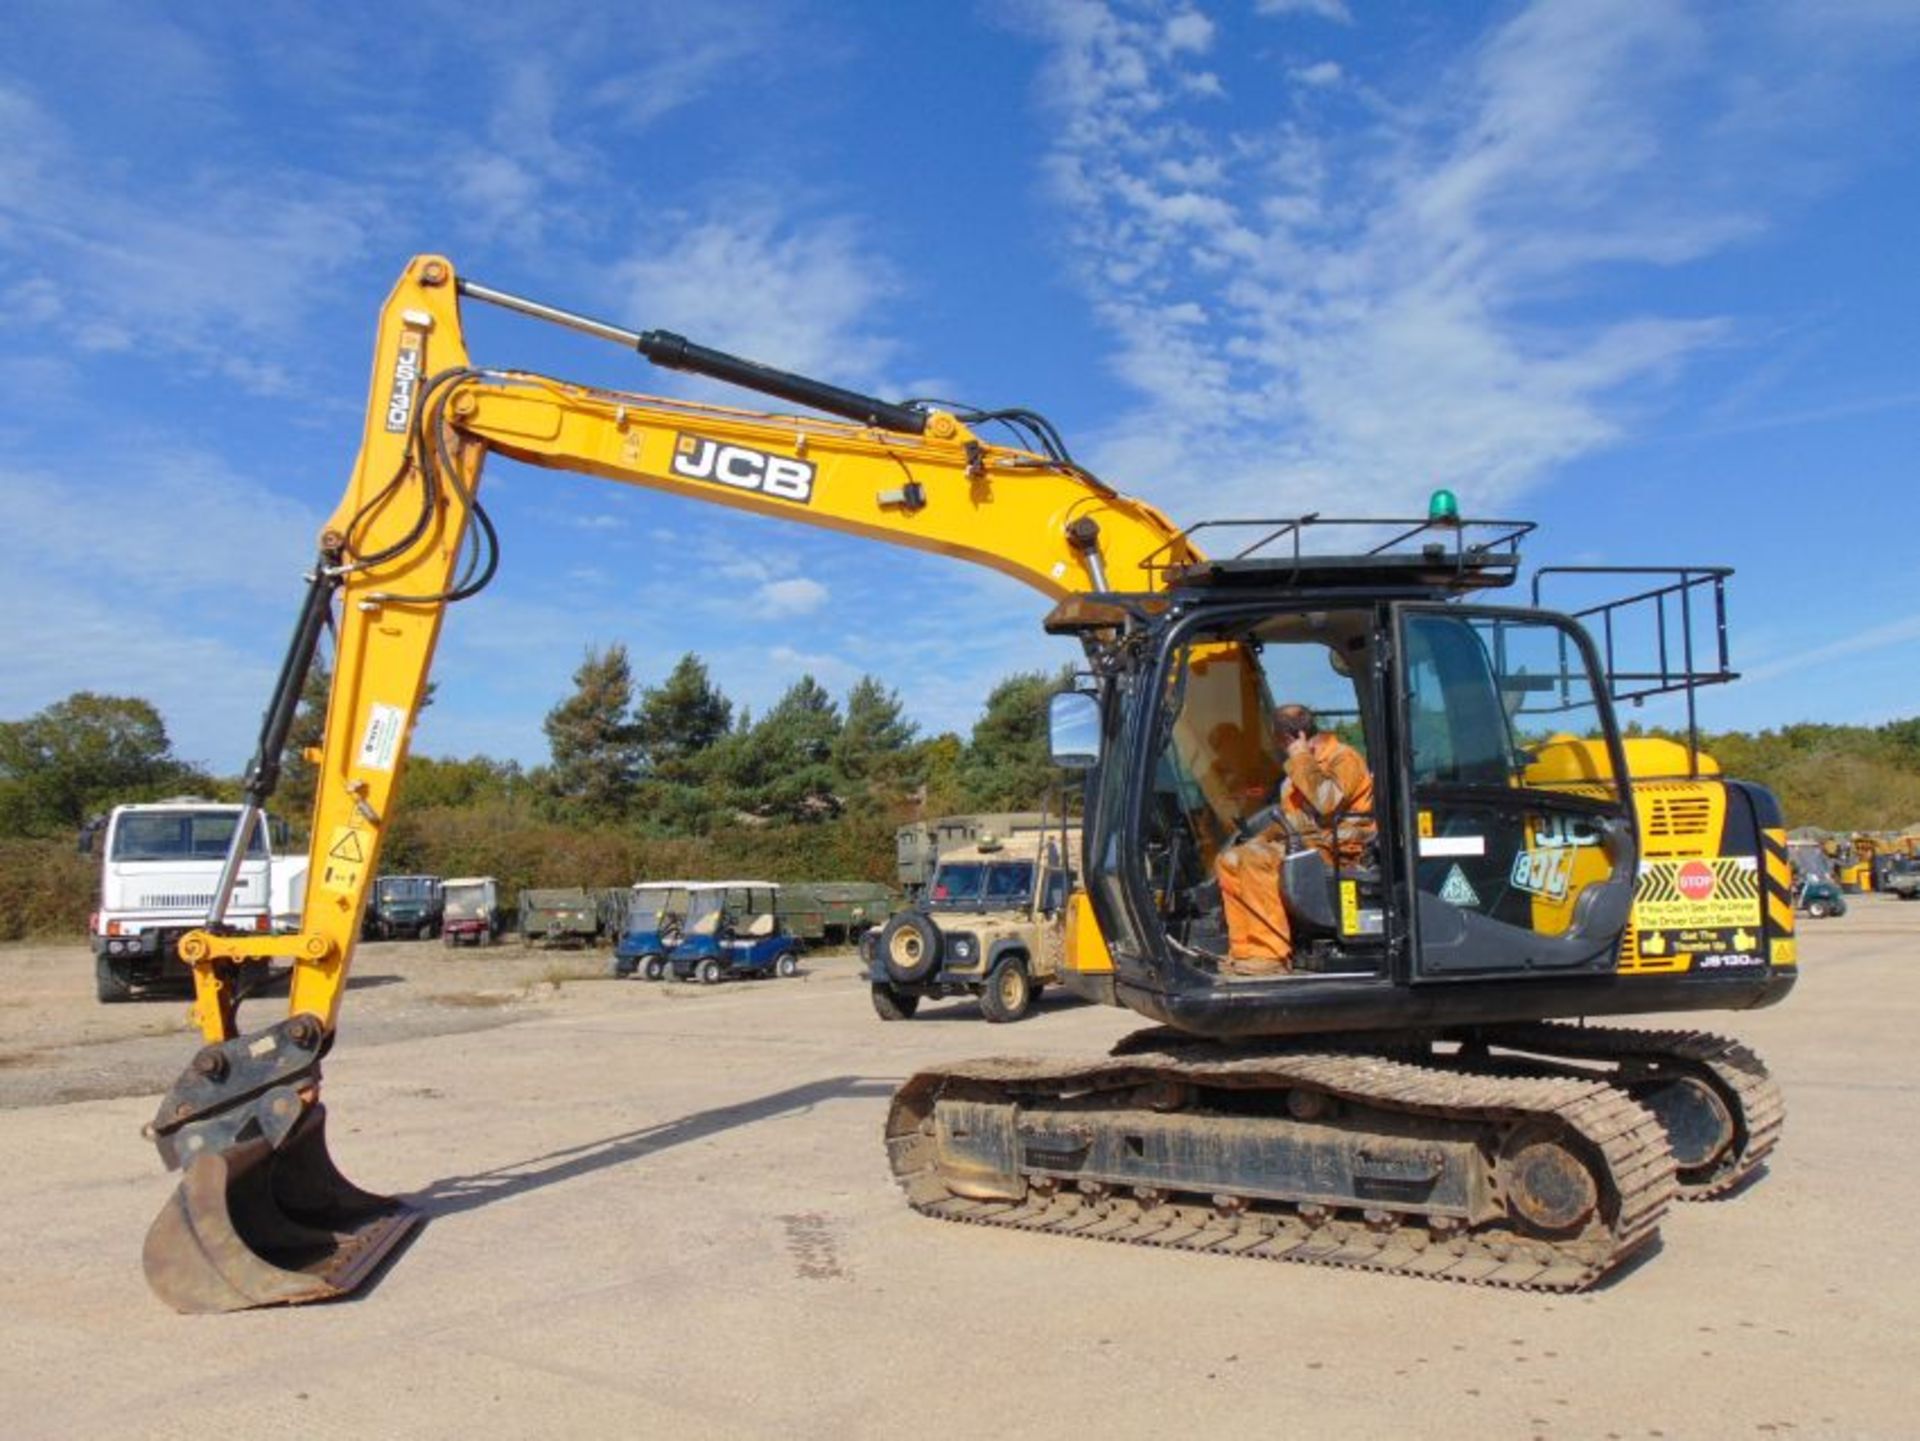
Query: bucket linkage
{"type": "Point", "coordinates": [261, 1216]}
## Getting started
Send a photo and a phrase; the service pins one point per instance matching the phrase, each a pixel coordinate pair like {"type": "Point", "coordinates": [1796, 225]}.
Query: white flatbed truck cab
{"type": "Point", "coordinates": [160, 866]}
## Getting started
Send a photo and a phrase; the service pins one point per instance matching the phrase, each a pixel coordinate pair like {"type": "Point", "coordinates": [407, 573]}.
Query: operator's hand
{"type": "Point", "coordinates": [1296, 746]}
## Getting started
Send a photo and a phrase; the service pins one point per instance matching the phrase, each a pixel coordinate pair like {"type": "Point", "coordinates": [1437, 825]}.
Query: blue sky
{"type": "Point", "coordinates": [1641, 271]}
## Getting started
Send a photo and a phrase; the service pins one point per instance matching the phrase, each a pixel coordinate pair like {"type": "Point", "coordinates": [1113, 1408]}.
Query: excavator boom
{"type": "Point", "coordinates": [261, 1215]}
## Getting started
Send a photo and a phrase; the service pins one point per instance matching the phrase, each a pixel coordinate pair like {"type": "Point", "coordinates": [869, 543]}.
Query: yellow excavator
{"type": "Point", "coordinates": [1404, 1097]}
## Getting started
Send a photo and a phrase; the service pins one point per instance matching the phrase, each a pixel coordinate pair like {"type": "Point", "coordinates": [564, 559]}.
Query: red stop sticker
{"type": "Point", "coordinates": [1695, 880]}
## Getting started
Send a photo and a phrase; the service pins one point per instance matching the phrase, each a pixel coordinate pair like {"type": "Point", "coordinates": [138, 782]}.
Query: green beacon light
{"type": "Point", "coordinates": [1443, 508]}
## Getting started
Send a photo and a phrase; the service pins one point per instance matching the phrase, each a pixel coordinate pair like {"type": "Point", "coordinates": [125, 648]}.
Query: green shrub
{"type": "Point", "coordinates": [46, 889]}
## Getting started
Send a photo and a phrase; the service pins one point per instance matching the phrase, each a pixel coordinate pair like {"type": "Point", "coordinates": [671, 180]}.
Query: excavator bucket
{"type": "Point", "coordinates": [259, 1224]}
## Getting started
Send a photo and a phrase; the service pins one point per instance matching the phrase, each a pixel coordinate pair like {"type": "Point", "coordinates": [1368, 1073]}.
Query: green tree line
{"type": "Point", "coordinates": [670, 779]}
{"type": "Point", "coordinates": [676, 779]}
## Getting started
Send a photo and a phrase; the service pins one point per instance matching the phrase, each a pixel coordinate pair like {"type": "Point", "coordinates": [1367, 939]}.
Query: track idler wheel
{"type": "Point", "coordinates": [262, 1216]}
{"type": "Point", "coordinates": [260, 1225]}
{"type": "Point", "coordinates": [1700, 1126]}
{"type": "Point", "coordinates": [1550, 1189]}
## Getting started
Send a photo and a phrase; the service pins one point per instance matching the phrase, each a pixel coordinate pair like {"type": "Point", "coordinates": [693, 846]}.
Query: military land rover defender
{"type": "Point", "coordinates": [990, 924]}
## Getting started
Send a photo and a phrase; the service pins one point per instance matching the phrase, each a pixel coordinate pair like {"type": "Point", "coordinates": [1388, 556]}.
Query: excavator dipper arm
{"type": "Point", "coordinates": [261, 1215]}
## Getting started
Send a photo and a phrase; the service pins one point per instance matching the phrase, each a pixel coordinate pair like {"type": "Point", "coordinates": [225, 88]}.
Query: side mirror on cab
{"type": "Point", "coordinates": [1073, 730]}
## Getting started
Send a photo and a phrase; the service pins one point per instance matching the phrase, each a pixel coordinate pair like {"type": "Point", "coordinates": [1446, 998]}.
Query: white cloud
{"type": "Point", "coordinates": [213, 266]}
{"type": "Point", "coordinates": [1317, 315]}
{"type": "Point", "coordinates": [63, 635]}
{"type": "Point", "coordinates": [1335, 10]}
{"type": "Point", "coordinates": [798, 596]}
{"type": "Point", "coordinates": [796, 295]}
{"type": "Point", "coordinates": [1189, 31]}
{"type": "Point", "coordinates": [136, 579]}
{"type": "Point", "coordinates": [833, 672]}
{"type": "Point", "coordinates": [218, 257]}
{"type": "Point", "coordinates": [1803, 662]}
{"type": "Point", "coordinates": [34, 301]}
{"type": "Point", "coordinates": [175, 523]}
{"type": "Point", "coordinates": [497, 189]}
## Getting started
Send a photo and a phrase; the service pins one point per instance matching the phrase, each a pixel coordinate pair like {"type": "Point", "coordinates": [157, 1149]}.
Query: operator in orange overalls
{"type": "Point", "coordinates": [1326, 801]}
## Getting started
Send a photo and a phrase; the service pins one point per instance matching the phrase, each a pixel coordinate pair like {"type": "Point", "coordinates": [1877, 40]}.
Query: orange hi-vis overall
{"type": "Point", "coordinates": [1326, 801]}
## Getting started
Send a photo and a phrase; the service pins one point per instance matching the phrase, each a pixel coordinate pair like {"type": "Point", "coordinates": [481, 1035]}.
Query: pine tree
{"type": "Point", "coordinates": [1008, 764]}
{"type": "Point", "coordinates": [679, 720]}
{"type": "Point", "coordinates": [590, 735]}
{"type": "Point", "coordinates": [782, 769]}
{"type": "Point", "coordinates": [875, 747]}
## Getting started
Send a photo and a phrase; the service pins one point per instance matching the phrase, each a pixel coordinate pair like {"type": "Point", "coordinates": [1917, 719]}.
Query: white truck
{"type": "Point", "coordinates": [160, 865]}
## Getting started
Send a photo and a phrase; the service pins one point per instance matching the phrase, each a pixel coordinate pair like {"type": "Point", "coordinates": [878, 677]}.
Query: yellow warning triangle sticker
{"type": "Point", "coordinates": [346, 846]}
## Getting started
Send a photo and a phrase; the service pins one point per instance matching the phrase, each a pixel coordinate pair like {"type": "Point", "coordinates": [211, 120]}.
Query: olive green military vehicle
{"type": "Point", "coordinates": [990, 923]}
{"type": "Point", "coordinates": [560, 916]}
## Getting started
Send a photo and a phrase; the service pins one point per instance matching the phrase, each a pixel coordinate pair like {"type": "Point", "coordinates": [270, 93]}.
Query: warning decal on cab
{"type": "Point", "coordinates": [1698, 894]}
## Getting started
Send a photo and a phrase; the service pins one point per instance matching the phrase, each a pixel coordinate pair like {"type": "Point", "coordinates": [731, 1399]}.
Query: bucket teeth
{"type": "Point", "coordinates": [264, 1225]}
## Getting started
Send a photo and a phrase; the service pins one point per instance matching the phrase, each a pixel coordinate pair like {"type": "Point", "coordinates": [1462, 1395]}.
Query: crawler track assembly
{"type": "Point", "coordinates": [1271, 1152]}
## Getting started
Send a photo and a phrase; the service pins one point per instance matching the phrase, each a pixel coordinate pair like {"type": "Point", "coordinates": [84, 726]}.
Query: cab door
{"type": "Point", "coordinates": [1520, 845]}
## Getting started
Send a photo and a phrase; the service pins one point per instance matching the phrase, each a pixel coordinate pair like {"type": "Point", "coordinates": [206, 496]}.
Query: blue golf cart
{"type": "Point", "coordinates": [733, 928]}
{"type": "Point", "coordinates": [655, 915]}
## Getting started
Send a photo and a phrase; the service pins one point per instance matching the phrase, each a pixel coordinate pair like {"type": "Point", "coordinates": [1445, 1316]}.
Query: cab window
{"type": "Point", "coordinates": [1010, 883]}
{"type": "Point", "coordinates": [1503, 702]}
{"type": "Point", "coordinates": [959, 882]}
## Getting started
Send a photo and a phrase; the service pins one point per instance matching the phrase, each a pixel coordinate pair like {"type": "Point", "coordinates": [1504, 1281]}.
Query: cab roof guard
{"type": "Point", "coordinates": [1438, 551]}
{"type": "Point", "coordinates": [1650, 641]}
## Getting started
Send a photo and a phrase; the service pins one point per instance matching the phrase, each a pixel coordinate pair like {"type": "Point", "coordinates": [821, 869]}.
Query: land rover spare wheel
{"type": "Point", "coordinates": [910, 947]}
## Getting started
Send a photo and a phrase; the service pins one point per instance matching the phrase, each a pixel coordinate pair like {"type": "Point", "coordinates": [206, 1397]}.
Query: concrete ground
{"type": "Point", "coordinates": [665, 1211]}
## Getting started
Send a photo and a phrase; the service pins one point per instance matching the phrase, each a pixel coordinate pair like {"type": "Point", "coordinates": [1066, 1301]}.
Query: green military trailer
{"type": "Point", "coordinates": [832, 913]}
{"type": "Point", "coordinates": [558, 916]}
{"type": "Point", "coordinates": [801, 915]}
{"type": "Point", "coordinates": [845, 908]}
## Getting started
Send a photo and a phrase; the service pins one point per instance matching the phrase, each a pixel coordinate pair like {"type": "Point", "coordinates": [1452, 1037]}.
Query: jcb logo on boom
{"type": "Point", "coordinates": [780, 476]}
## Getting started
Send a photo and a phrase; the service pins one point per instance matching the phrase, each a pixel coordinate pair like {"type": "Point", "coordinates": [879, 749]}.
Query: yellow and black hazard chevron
{"type": "Point", "coordinates": [1777, 878]}
{"type": "Point", "coordinates": [1697, 894]}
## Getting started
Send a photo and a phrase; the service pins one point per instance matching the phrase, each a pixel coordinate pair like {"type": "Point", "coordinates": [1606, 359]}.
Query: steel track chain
{"type": "Point", "coordinates": [1761, 1108]}
{"type": "Point", "coordinates": [1626, 1138]}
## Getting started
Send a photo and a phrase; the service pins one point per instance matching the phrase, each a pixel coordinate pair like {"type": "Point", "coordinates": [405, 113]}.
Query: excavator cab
{"type": "Point", "coordinates": [1494, 872]}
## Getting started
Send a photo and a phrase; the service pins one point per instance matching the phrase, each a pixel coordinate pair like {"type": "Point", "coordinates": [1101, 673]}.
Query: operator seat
{"type": "Point", "coordinates": [1306, 889]}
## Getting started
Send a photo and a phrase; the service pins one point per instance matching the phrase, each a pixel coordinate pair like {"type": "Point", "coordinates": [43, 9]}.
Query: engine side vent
{"type": "Point", "coordinates": [1678, 817]}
